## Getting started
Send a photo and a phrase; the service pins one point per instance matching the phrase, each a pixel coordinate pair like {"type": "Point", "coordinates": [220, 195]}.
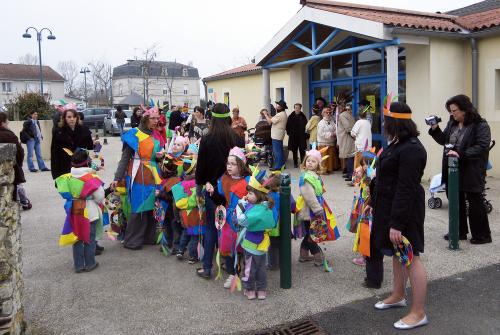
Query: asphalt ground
{"type": "Point", "coordinates": [465, 303]}
{"type": "Point", "coordinates": [145, 292]}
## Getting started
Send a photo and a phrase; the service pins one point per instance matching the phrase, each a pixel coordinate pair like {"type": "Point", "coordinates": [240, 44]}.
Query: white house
{"type": "Point", "coordinates": [16, 79]}
{"type": "Point", "coordinates": [165, 82]}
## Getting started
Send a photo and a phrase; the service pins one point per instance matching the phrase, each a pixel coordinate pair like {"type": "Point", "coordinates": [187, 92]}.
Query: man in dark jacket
{"type": "Point", "coordinates": [33, 133]}
{"type": "Point", "coordinates": [175, 118]}
{"type": "Point", "coordinates": [296, 130]}
{"type": "Point", "coordinates": [120, 119]}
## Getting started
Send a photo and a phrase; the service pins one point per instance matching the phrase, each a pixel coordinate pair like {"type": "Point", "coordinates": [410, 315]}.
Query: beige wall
{"type": "Point", "coordinates": [489, 93]}
{"type": "Point", "coordinates": [46, 125]}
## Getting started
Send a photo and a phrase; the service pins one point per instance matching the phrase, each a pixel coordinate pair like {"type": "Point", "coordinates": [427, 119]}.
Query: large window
{"type": "Point", "coordinates": [369, 62]}
{"type": "Point", "coordinates": [322, 70]}
{"type": "Point", "coordinates": [6, 87]}
{"type": "Point", "coordinates": [342, 66]}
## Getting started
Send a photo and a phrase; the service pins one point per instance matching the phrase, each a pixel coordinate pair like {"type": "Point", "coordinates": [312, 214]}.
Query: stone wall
{"type": "Point", "coordinates": [11, 281]}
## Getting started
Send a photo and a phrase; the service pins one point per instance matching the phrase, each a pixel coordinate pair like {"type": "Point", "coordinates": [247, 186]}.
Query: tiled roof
{"type": "Point", "coordinates": [28, 72]}
{"type": "Point", "coordinates": [480, 21]}
{"type": "Point", "coordinates": [482, 6]}
{"type": "Point", "coordinates": [133, 68]}
{"type": "Point", "coordinates": [482, 15]}
{"type": "Point", "coordinates": [390, 16]}
{"type": "Point", "coordinates": [234, 72]}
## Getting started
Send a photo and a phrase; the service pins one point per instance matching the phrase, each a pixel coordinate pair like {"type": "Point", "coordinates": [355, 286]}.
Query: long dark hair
{"type": "Point", "coordinates": [401, 129]}
{"type": "Point", "coordinates": [465, 105]}
{"type": "Point", "coordinates": [221, 127]}
{"type": "Point", "coordinates": [3, 117]}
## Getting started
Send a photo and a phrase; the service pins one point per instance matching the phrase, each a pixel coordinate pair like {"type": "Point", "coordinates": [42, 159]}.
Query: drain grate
{"type": "Point", "coordinates": [303, 327]}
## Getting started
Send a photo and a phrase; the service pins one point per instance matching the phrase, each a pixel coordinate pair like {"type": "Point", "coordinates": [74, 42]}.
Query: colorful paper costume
{"type": "Point", "coordinates": [256, 221]}
{"type": "Point", "coordinates": [233, 190]}
{"type": "Point", "coordinates": [75, 191]}
{"type": "Point", "coordinates": [142, 176]}
{"type": "Point", "coordinates": [321, 230]}
{"type": "Point", "coordinates": [185, 200]}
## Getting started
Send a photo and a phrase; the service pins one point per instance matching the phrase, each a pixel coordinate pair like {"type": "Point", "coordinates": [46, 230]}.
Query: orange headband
{"type": "Point", "coordinates": [406, 116]}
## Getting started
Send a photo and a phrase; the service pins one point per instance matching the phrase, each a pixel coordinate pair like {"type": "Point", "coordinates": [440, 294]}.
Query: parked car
{"type": "Point", "coordinates": [110, 125]}
{"type": "Point", "coordinates": [94, 117]}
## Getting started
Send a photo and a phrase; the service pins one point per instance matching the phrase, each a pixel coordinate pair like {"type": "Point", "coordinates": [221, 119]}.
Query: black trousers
{"type": "Point", "coordinates": [141, 229]}
{"type": "Point", "coordinates": [302, 152]}
{"type": "Point", "coordinates": [478, 218]}
{"type": "Point", "coordinates": [374, 265]}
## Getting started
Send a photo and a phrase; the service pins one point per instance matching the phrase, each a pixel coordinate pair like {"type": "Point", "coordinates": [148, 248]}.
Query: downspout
{"type": "Point", "coordinates": [475, 54]}
{"type": "Point", "coordinates": [206, 90]}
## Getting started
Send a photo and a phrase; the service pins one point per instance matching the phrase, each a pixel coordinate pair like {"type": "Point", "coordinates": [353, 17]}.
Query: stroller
{"type": "Point", "coordinates": [261, 137]}
{"type": "Point", "coordinates": [436, 186]}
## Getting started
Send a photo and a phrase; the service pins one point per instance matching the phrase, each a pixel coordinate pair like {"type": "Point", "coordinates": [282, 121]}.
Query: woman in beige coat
{"type": "Point", "coordinates": [344, 139]}
{"type": "Point", "coordinates": [312, 124]}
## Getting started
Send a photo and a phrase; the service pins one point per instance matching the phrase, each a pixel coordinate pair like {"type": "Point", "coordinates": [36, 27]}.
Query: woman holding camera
{"type": "Point", "coordinates": [467, 136]}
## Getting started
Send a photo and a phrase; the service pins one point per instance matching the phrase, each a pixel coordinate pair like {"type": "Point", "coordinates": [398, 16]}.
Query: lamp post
{"type": "Point", "coordinates": [39, 39]}
{"type": "Point", "coordinates": [85, 70]}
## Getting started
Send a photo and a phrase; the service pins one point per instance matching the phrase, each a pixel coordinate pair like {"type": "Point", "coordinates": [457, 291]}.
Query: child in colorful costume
{"type": "Point", "coordinates": [139, 166]}
{"type": "Point", "coordinates": [193, 221]}
{"type": "Point", "coordinates": [231, 187]}
{"type": "Point", "coordinates": [82, 189]}
{"type": "Point", "coordinates": [314, 220]}
{"type": "Point", "coordinates": [255, 216]}
{"type": "Point", "coordinates": [359, 220]}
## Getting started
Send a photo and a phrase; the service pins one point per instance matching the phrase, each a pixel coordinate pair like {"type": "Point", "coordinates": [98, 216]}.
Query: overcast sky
{"type": "Point", "coordinates": [215, 35]}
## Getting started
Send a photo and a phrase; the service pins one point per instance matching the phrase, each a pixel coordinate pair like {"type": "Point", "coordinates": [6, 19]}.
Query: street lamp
{"type": "Point", "coordinates": [39, 39]}
{"type": "Point", "coordinates": [85, 70]}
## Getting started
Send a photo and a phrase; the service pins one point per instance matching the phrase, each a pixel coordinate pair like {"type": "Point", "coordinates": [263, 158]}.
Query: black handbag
{"type": "Point", "coordinates": [23, 136]}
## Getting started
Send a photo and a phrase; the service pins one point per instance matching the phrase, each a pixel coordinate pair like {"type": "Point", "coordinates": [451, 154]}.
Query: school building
{"type": "Point", "coordinates": [330, 47]}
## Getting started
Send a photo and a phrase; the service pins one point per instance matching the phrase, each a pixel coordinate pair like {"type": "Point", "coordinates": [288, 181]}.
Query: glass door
{"type": "Point", "coordinates": [320, 90]}
{"type": "Point", "coordinates": [373, 90]}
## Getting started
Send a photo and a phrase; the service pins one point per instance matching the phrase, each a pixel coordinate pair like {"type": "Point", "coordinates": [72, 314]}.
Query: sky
{"type": "Point", "coordinates": [215, 35]}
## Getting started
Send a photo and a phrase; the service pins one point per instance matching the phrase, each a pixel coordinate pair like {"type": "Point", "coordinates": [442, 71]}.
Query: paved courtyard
{"type": "Point", "coordinates": [144, 292]}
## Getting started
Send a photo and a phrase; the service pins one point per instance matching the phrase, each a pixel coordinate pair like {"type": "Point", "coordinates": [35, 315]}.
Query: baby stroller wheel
{"type": "Point", "coordinates": [489, 206]}
{"type": "Point", "coordinates": [438, 202]}
{"type": "Point", "coordinates": [431, 203]}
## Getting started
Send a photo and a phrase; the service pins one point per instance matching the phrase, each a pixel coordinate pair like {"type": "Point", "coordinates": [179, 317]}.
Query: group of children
{"type": "Point", "coordinates": [247, 213]}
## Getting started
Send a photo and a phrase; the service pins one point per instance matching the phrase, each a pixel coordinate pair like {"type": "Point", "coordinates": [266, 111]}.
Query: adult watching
{"type": "Point", "coordinates": [7, 136]}
{"type": "Point", "coordinates": [211, 165]}
{"type": "Point", "coordinates": [398, 203]}
{"type": "Point", "coordinates": [312, 124]}
{"type": "Point", "coordinates": [238, 123]}
{"type": "Point", "coordinates": [34, 138]}
{"type": "Point", "coordinates": [199, 126]}
{"type": "Point", "coordinates": [135, 119]}
{"type": "Point", "coordinates": [69, 134]}
{"type": "Point", "coordinates": [138, 166]}
{"type": "Point", "coordinates": [278, 128]}
{"type": "Point", "coordinates": [296, 130]}
{"type": "Point", "coordinates": [467, 136]}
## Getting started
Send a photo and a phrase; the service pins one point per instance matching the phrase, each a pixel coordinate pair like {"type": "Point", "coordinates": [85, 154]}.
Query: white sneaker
{"type": "Point", "coordinates": [229, 281]}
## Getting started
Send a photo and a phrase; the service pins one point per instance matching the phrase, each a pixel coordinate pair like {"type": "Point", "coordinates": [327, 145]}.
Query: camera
{"type": "Point", "coordinates": [432, 120]}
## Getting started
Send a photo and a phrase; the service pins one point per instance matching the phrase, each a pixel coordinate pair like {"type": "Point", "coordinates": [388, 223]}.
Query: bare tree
{"type": "Point", "coordinates": [100, 79]}
{"type": "Point", "coordinates": [69, 70]}
{"type": "Point", "coordinates": [28, 59]}
{"type": "Point", "coordinates": [149, 56]}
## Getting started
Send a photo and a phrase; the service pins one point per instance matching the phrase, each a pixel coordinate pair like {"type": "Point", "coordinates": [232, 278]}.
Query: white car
{"type": "Point", "coordinates": [110, 126]}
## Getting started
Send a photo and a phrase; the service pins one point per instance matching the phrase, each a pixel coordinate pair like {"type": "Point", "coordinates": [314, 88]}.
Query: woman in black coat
{"type": "Point", "coordinates": [470, 136]}
{"type": "Point", "coordinates": [398, 203]}
{"type": "Point", "coordinates": [296, 130]}
{"type": "Point", "coordinates": [211, 165]}
{"type": "Point", "coordinates": [69, 134]}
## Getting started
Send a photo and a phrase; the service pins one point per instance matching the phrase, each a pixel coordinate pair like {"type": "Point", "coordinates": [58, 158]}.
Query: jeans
{"type": "Point", "coordinates": [190, 242]}
{"type": "Point", "coordinates": [350, 166]}
{"type": "Point", "coordinates": [278, 154]}
{"type": "Point", "coordinates": [120, 125]}
{"type": "Point", "coordinates": [84, 253]}
{"type": "Point", "coordinates": [210, 239]}
{"type": "Point", "coordinates": [255, 277]}
{"type": "Point", "coordinates": [36, 145]}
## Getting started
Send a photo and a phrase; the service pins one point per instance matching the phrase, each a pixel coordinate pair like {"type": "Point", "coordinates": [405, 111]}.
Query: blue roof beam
{"type": "Point", "coordinates": [327, 40]}
{"type": "Point", "coordinates": [301, 47]}
{"type": "Point", "coordinates": [287, 45]}
{"type": "Point", "coordinates": [334, 53]}
{"type": "Point", "coordinates": [313, 36]}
